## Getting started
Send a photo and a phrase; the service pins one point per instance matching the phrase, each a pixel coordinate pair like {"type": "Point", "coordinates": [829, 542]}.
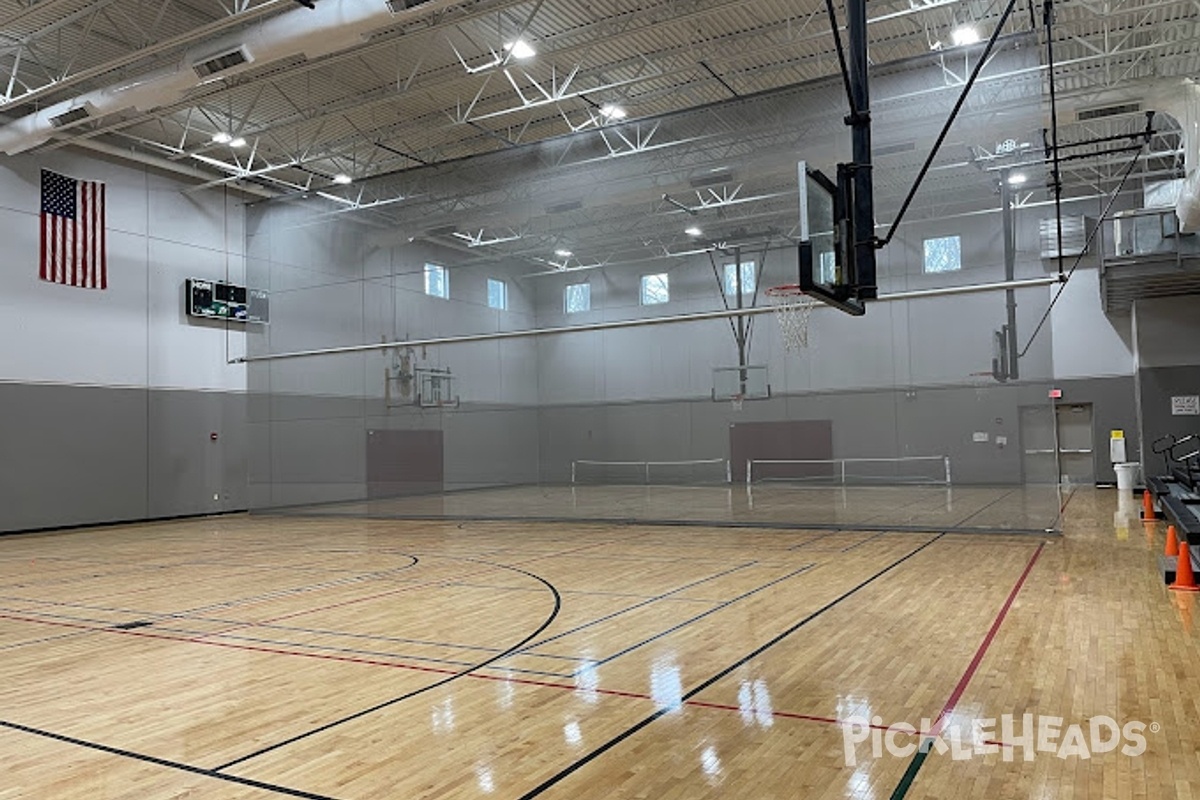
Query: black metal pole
{"type": "Point", "coordinates": [741, 320]}
{"type": "Point", "coordinates": [859, 121]}
{"type": "Point", "coordinates": [1010, 270]}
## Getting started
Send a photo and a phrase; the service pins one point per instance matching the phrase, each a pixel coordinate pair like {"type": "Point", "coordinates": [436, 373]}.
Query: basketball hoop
{"type": "Point", "coordinates": [736, 401]}
{"type": "Point", "coordinates": [792, 307]}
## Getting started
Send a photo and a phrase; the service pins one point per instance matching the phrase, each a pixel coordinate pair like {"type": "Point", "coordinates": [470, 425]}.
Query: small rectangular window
{"type": "Point", "coordinates": [655, 289]}
{"type": "Point", "coordinates": [748, 278]}
{"type": "Point", "coordinates": [943, 254]}
{"type": "Point", "coordinates": [577, 297]}
{"type": "Point", "coordinates": [437, 282]}
{"type": "Point", "coordinates": [497, 294]}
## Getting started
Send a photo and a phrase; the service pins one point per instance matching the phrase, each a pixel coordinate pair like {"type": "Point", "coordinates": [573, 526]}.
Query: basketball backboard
{"type": "Point", "coordinates": [827, 258]}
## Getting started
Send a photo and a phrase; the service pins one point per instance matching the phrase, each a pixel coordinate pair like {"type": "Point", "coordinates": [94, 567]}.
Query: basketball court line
{"type": "Point", "coordinates": [628, 732]}
{"type": "Point", "coordinates": [956, 694]}
{"type": "Point", "coordinates": [163, 762]}
{"type": "Point", "coordinates": [157, 616]}
{"type": "Point", "coordinates": [636, 606]}
{"type": "Point", "coordinates": [580, 592]}
{"type": "Point", "coordinates": [914, 767]}
{"type": "Point", "coordinates": [277, 647]}
{"type": "Point", "coordinates": [722, 606]}
{"type": "Point", "coordinates": [407, 695]}
{"type": "Point", "coordinates": [43, 640]}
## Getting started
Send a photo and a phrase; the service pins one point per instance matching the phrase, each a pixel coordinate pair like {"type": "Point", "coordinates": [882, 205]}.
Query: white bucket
{"type": "Point", "coordinates": [1127, 474]}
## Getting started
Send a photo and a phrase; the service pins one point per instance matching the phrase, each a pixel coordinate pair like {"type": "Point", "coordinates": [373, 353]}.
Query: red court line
{"type": "Point", "coordinates": [389, 593]}
{"type": "Point", "coordinates": [961, 687]}
{"type": "Point", "coordinates": [416, 668]}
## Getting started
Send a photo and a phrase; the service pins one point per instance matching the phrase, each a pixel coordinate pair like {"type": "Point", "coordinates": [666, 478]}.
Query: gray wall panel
{"type": "Point", "coordinates": [72, 455]}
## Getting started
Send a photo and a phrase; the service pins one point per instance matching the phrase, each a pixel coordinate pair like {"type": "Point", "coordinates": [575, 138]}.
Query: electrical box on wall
{"type": "Point", "coordinates": [220, 300]}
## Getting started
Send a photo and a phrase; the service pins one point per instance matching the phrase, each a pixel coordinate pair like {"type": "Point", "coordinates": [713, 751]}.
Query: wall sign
{"type": "Point", "coordinates": [1185, 405]}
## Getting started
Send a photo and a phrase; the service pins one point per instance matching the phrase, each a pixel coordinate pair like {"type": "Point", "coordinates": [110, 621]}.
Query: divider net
{"type": "Point", "coordinates": [692, 472]}
{"type": "Point", "coordinates": [931, 470]}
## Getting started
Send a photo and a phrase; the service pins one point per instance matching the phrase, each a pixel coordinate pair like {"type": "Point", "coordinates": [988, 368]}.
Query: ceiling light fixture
{"type": "Point", "coordinates": [693, 231]}
{"type": "Point", "coordinates": [342, 178]}
{"type": "Point", "coordinates": [612, 111]}
{"type": "Point", "coordinates": [238, 142]}
{"type": "Point", "coordinates": [520, 49]}
{"type": "Point", "coordinates": [1016, 179]}
{"type": "Point", "coordinates": [964, 35]}
{"type": "Point", "coordinates": [563, 253]}
{"type": "Point", "coordinates": [221, 137]}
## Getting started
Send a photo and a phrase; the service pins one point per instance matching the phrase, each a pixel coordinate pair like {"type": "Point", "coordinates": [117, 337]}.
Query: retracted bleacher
{"type": "Point", "coordinates": [1177, 492]}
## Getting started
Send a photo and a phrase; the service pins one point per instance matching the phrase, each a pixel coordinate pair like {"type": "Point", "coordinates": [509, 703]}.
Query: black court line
{"type": "Point", "coordinates": [860, 544]}
{"type": "Point", "coordinates": [685, 523]}
{"type": "Point", "coordinates": [429, 687]}
{"type": "Point", "coordinates": [582, 593]}
{"type": "Point", "coordinates": [169, 617]}
{"type": "Point", "coordinates": [634, 607]}
{"type": "Point", "coordinates": [723, 605]}
{"type": "Point", "coordinates": [44, 639]}
{"type": "Point", "coordinates": [986, 506]}
{"type": "Point", "coordinates": [817, 539]}
{"type": "Point", "coordinates": [297, 647]}
{"type": "Point", "coordinates": [621, 737]}
{"type": "Point", "coordinates": [163, 762]}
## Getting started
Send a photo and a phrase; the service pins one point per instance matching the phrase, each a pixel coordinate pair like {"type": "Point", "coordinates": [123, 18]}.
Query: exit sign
{"type": "Point", "coordinates": [1056, 394]}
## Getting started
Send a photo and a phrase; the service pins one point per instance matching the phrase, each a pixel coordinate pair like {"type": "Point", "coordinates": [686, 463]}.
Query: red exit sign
{"type": "Point", "coordinates": [1056, 394]}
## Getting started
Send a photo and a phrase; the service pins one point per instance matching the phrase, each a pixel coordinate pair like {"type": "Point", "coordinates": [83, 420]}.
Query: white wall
{"type": "Point", "coordinates": [135, 333]}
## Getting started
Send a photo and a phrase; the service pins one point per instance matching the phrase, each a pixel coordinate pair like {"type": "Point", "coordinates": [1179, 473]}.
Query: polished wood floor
{"type": "Point", "coordinates": [264, 657]}
{"type": "Point", "coordinates": [1028, 508]}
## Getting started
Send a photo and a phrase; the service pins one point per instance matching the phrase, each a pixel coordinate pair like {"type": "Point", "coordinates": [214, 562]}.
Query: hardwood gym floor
{"type": "Point", "coordinates": [259, 657]}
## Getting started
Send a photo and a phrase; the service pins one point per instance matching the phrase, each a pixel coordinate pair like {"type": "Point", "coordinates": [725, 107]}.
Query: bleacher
{"type": "Point", "coordinates": [1176, 490]}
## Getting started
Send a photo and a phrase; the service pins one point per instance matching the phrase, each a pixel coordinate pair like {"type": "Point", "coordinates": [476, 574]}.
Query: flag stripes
{"type": "Point", "coordinates": [72, 236]}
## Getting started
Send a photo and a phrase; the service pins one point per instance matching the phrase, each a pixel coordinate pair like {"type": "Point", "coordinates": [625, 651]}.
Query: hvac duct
{"type": "Point", "coordinates": [330, 27]}
{"type": "Point", "coordinates": [1181, 99]}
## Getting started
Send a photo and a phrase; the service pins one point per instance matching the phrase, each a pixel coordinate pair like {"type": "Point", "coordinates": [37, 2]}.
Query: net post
{"type": "Point", "coordinates": [947, 462]}
{"type": "Point", "coordinates": [573, 472]}
{"type": "Point", "coordinates": [749, 463]}
{"type": "Point", "coordinates": [728, 471]}
{"type": "Point", "coordinates": [647, 473]}
{"type": "Point", "coordinates": [843, 472]}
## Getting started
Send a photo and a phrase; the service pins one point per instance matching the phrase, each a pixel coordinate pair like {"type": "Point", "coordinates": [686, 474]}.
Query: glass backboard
{"type": "Point", "coordinates": [826, 271]}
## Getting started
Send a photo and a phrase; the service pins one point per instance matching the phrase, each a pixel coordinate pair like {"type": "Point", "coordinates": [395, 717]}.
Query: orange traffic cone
{"type": "Point", "coordinates": [1172, 542]}
{"type": "Point", "coordinates": [1148, 505]}
{"type": "Point", "coordinates": [1185, 581]}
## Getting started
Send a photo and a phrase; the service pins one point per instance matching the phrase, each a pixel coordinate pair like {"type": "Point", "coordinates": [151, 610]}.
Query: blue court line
{"type": "Point", "coordinates": [696, 618]}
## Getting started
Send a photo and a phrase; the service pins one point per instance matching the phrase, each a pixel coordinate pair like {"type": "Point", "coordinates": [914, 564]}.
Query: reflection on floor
{"type": "Point", "coordinates": [1030, 508]}
{"type": "Point", "coordinates": [350, 658]}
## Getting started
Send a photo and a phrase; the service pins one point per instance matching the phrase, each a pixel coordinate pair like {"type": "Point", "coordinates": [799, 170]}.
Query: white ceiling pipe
{"type": "Point", "coordinates": [332, 26]}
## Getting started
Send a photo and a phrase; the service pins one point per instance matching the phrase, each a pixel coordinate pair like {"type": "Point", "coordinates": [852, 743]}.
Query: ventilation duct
{"type": "Point", "coordinates": [70, 117]}
{"type": "Point", "coordinates": [331, 27]}
{"type": "Point", "coordinates": [1118, 110]}
{"type": "Point", "coordinates": [1181, 99]}
{"type": "Point", "coordinates": [222, 63]}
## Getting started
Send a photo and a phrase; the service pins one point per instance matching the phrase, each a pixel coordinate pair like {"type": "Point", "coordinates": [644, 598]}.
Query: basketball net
{"type": "Point", "coordinates": [792, 309]}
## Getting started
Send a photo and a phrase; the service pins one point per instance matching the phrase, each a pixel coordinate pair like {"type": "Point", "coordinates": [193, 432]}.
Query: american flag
{"type": "Point", "coordinates": [73, 232]}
